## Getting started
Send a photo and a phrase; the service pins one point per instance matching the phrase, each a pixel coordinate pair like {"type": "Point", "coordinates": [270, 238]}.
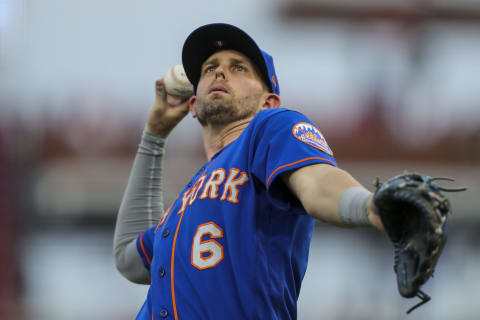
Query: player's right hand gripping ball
{"type": "Point", "coordinates": [176, 82]}
{"type": "Point", "coordinates": [414, 213]}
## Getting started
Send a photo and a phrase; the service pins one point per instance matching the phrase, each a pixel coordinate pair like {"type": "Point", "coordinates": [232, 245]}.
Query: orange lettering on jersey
{"type": "Point", "coordinates": [211, 187]}
{"type": "Point", "coordinates": [196, 188]}
{"type": "Point", "coordinates": [185, 199]}
{"type": "Point", "coordinates": [231, 185]}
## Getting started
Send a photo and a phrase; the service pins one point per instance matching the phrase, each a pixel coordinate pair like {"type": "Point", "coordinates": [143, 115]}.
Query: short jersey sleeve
{"type": "Point", "coordinates": [286, 140]}
{"type": "Point", "coordinates": [145, 246]}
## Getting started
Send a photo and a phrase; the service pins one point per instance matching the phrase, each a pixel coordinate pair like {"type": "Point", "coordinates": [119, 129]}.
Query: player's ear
{"type": "Point", "coordinates": [191, 104]}
{"type": "Point", "coordinates": [271, 100]}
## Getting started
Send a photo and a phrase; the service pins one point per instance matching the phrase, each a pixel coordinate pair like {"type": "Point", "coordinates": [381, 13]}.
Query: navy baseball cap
{"type": "Point", "coordinates": [208, 39]}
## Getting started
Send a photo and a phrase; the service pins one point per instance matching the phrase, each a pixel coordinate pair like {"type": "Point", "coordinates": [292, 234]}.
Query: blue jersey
{"type": "Point", "coordinates": [234, 244]}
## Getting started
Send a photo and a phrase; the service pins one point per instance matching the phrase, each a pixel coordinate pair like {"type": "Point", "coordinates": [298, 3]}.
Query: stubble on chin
{"type": "Point", "coordinates": [222, 112]}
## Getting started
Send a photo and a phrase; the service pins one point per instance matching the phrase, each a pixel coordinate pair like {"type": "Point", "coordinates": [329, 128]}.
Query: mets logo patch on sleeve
{"type": "Point", "coordinates": [309, 134]}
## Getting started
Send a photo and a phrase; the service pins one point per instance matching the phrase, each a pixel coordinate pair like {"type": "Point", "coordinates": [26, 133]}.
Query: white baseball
{"type": "Point", "coordinates": [176, 82]}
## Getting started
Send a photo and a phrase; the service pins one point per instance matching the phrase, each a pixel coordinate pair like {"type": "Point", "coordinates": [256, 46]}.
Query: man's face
{"type": "Point", "coordinates": [230, 89]}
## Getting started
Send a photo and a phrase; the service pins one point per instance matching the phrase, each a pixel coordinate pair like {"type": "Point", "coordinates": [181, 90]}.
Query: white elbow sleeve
{"type": "Point", "coordinates": [352, 207]}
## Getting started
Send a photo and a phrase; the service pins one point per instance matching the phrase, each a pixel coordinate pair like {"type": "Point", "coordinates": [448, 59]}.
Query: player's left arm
{"type": "Point", "coordinates": [320, 187]}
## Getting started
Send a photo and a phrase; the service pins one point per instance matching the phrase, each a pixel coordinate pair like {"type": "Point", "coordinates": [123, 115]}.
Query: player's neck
{"type": "Point", "coordinates": [215, 138]}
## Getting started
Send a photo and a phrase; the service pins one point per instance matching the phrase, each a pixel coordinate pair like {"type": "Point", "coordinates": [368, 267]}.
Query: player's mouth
{"type": "Point", "coordinates": [217, 88]}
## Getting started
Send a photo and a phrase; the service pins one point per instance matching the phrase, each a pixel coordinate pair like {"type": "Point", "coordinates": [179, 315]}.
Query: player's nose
{"type": "Point", "coordinates": [220, 72]}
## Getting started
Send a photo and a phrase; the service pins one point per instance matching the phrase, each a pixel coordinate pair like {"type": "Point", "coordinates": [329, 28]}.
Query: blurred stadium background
{"type": "Point", "coordinates": [393, 85]}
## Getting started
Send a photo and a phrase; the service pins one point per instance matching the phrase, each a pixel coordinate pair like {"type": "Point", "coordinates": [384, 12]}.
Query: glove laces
{"type": "Point", "coordinates": [420, 294]}
{"type": "Point", "coordinates": [423, 296]}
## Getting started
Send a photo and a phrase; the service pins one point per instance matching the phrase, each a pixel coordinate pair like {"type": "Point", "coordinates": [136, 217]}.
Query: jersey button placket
{"type": "Point", "coordinates": [166, 233]}
{"type": "Point", "coordinates": [164, 313]}
{"type": "Point", "coordinates": [162, 272]}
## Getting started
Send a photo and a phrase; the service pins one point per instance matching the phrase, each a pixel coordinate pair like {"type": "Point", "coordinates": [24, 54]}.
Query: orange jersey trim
{"type": "Point", "coordinates": [172, 264]}
{"type": "Point", "coordinates": [296, 162]}
{"type": "Point", "coordinates": [172, 261]}
{"type": "Point", "coordinates": [145, 251]}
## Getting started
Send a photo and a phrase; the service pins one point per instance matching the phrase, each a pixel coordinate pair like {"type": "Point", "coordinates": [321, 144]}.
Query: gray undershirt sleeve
{"type": "Point", "coordinates": [352, 207]}
{"type": "Point", "coordinates": [141, 207]}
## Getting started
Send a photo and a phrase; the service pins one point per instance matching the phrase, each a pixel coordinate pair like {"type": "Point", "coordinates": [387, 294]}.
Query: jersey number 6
{"type": "Point", "coordinates": [207, 253]}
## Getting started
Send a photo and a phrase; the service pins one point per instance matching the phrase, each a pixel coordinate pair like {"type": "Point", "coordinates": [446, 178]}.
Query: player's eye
{"type": "Point", "coordinates": [209, 69]}
{"type": "Point", "coordinates": [240, 68]}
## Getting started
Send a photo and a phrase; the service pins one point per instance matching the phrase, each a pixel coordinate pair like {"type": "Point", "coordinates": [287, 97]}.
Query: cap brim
{"type": "Point", "coordinates": [208, 39]}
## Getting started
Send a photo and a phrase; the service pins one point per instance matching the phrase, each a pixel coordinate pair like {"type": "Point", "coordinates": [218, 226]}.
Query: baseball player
{"type": "Point", "coordinates": [235, 242]}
